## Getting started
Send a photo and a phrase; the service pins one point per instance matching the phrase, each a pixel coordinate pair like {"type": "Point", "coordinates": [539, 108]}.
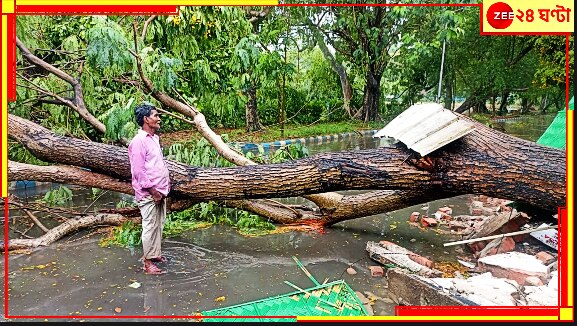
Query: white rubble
{"type": "Point", "coordinates": [554, 281]}
{"type": "Point", "coordinates": [516, 260]}
{"type": "Point", "coordinates": [483, 289]}
{"type": "Point", "coordinates": [541, 296]}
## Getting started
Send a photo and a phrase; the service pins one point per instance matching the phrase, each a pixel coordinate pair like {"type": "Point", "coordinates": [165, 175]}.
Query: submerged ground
{"type": "Point", "coordinates": [212, 267]}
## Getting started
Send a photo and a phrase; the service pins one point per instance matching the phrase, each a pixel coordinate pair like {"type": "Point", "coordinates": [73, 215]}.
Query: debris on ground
{"type": "Point", "coordinates": [387, 252]}
{"type": "Point", "coordinates": [508, 266]}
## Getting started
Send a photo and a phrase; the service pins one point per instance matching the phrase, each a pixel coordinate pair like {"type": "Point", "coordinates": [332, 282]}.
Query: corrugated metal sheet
{"type": "Point", "coordinates": [426, 127]}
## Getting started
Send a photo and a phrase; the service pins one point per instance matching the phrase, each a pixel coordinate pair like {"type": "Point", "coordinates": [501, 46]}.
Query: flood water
{"type": "Point", "coordinates": [75, 277]}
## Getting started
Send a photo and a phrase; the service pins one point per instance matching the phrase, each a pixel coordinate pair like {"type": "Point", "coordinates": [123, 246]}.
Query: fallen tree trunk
{"type": "Point", "coordinates": [348, 207]}
{"type": "Point", "coordinates": [65, 228]}
{"type": "Point", "coordinates": [483, 162]}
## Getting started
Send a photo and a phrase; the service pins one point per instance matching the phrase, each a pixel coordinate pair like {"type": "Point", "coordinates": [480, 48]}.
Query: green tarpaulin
{"type": "Point", "coordinates": [556, 134]}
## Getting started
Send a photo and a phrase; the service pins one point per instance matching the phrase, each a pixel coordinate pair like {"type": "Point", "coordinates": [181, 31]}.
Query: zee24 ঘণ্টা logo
{"type": "Point", "coordinates": [500, 15]}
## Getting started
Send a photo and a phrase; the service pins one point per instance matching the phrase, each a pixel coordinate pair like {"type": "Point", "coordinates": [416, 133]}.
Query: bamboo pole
{"type": "Point", "coordinates": [499, 236]}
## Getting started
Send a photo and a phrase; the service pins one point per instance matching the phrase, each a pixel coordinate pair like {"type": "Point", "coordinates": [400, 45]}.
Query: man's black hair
{"type": "Point", "coordinates": [141, 111]}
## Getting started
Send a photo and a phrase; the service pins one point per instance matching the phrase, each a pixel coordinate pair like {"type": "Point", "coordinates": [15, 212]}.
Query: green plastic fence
{"type": "Point", "coordinates": [331, 299]}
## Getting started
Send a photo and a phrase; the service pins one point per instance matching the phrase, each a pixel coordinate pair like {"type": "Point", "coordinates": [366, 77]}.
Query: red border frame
{"type": "Point", "coordinates": [399, 310]}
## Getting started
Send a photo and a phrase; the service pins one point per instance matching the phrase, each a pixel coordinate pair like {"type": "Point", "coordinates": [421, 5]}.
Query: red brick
{"type": "Point", "coordinates": [445, 209]}
{"type": "Point", "coordinates": [421, 260]}
{"type": "Point", "coordinates": [477, 246]}
{"type": "Point", "coordinates": [545, 257]}
{"type": "Point", "coordinates": [508, 244]}
{"type": "Point", "coordinates": [515, 225]}
{"type": "Point", "coordinates": [376, 271]}
{"type": "Point", "coordinates": [476, 211]}
{"type": "Point", "coordinates": [498, 246]}
{"type": "Point", "coordinates": [533, 281]}
{"type": "Point", "coordinates": [427, 221]}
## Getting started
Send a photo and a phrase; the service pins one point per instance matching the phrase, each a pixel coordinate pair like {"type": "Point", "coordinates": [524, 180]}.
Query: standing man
{"type": "Point", "coordinates": [151, 183]}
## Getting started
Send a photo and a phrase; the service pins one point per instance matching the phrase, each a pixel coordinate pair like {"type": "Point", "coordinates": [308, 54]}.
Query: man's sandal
{"type": "Point", "coordinates": [152, 269]}
{"type": "Point", "coordinates": [160, 259]}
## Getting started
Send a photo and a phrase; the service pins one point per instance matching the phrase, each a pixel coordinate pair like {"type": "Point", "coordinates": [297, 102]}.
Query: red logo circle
{"type": "Point", "coordinates": [500, 15]}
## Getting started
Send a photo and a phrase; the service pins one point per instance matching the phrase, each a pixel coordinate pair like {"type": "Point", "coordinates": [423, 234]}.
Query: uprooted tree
{"type": "Point", "coordinates": [483, 162]}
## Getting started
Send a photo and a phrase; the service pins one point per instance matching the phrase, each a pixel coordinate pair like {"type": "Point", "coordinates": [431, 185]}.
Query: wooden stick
{"type": "Point", "coordinates": [303, 268]}
{"type": "Point", "coordinates": [36, 221]}
{"type": "Point", "coordinates": [499, 236]}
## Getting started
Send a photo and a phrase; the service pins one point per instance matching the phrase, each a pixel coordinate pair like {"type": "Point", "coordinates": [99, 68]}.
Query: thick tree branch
{"type": "Point", "coordinates": [145, 27]}
{"type": "Point", "coordinates": [79, 105]}
{"type": "Point", "coordinates": [70, 226]}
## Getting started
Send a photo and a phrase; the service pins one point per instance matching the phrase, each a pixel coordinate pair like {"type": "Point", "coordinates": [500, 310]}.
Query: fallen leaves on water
{"type": "Point", "coordinates": [220, 299]}
{"type": "Point", "coordinates": [449, 269]}
{"type": "Point", "coordinates": [41, 266]}
{"type": "Point", "coordinates": [118, 310]}
{"type": "Point", "coordinates": [20, 251]}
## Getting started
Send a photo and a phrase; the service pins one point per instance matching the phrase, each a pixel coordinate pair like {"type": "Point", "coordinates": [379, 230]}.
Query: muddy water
{"type": "Point", "coordinates": [75, 277]}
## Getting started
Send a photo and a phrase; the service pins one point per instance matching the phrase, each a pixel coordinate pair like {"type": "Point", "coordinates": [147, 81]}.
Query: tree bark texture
{"type": "Point", "coordinates": [483, 162]}
{"type": "Point", "coordinates": [370, 109]}
{"type": "Point", "coordinates": [251, 114]}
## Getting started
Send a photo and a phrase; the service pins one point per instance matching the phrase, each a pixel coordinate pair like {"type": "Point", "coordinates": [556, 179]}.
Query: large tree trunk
{"type": "Point", "coordinates": [337, 67]}
{"type": "Point", "coordinates": [483, 162]}
{"type": "Point", "coordinates": [504, 103]}
{"type": "Point", "coordinates": [252, 120]}
{"type": "Point", "coordinates": [370, 109]}
{"type": "Point", "coordinates": [472, 101]}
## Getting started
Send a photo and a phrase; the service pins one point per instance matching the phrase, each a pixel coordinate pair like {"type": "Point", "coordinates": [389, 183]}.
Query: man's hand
{"type": "Point", "coordinates": [156, 196]}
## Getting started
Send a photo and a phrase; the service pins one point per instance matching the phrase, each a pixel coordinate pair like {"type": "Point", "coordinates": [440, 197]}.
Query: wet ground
{"type": "Point", "coordinates": [76, 277]}
{"type": "Point", "coordinates": [210, 268]}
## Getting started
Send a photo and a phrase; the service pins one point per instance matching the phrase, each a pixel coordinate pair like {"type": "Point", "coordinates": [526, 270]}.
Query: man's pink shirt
{"type": "Point", "coordinates": [147, 165]}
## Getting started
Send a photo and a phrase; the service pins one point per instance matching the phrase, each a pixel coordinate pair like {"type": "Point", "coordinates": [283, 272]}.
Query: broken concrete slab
{"type": "Point", "coordinates": [554, 281]}
{"type": "Point", "coordinates": [387, 252]}
{"type": "Point", "coordinates": [483, 289]}
{"type": "Point", "coordinates": [514, 266]}
{"type": "Point", "coordinates": [541, 296]}
{"type": "Point", "coordinates": [414, 290]}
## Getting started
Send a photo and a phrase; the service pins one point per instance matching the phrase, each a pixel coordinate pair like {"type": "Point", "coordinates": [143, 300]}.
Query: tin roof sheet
{"type": "Point", "coordinates": [426, 127]}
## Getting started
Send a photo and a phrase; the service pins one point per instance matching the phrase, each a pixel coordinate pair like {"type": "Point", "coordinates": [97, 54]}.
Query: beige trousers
{"type": "Point", "coordinates": [153, 218]}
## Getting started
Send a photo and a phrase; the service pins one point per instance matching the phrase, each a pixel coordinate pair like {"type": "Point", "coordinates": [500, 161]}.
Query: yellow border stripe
{"type": "Point", "coordinates": [147, 2]}
{"type": "Point", "coordinates": [566, 314]}
{"type": "Point", "coordinates": [425, 318]}
{"type": "Point", "coordinates": [569, 221]}
{"type": "Point", "coordinates": [4, 186]}
{"type": "Point", "coordinates": [7, 6]}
